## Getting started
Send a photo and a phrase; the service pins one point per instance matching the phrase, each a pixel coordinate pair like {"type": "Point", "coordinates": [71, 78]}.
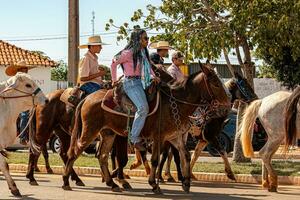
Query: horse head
{"type": "Point", "coordinates": [22, 86]}
{"type": "Point", "coordinates": [210, 85]}
{"type": "Point", "coordinates": [240, 89]}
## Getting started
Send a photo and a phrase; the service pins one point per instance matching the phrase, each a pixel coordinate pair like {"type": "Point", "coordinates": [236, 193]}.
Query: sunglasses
{"type": "Point", "coordinates": [146, 38]}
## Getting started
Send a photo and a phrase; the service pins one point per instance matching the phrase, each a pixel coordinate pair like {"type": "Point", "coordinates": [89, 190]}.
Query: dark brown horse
{"type": "Point", "coordinates": [239, 89]}
{"type": "Point", "coordinates": [200, 89]}
{"type": "Point", "coordinates": [48, 118]}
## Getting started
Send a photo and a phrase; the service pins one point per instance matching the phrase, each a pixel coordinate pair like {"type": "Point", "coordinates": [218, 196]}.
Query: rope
{"type": "Point", "coordinates": [159, 139]}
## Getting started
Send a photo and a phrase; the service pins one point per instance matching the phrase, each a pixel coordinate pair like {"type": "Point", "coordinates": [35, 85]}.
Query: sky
{"type": "Point", "coordinates": [35, 19]}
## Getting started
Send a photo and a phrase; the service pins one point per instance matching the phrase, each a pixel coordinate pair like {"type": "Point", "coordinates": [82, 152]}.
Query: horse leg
{"type": "Point", "coordinates": [199, 148]}
{"type": "Point", "coordinates": [166, 150]}
{"type": "Point", "coordinates": [46, 157]}
{"type": "Point", "coordinates": [145, 161]}
{"type": "Point", "coordinates": [10, 182]}
{"type": "Point", "coordinates": [33, 158]}
{"type": "Point", "coordinates": [107, 141]}
{"type": "Point", "coordinates": [154, 163]}
{"type": "Point", "coordinates": [177, 162]}
{"type": "Point", "coordinates": [138, 160]}
{"type": "Point", "coordinates": [266, 154]}
{"type": "Point", "coordinates": [211, 131]}
{"type": "Point", "coordinates": [64, 146]}
{"type": "Point", "coordinates": [121, 145]}
{"type": "Point", "coordinates": [265, 176]}
{"type": "Point", "coordinates": [185, 159]}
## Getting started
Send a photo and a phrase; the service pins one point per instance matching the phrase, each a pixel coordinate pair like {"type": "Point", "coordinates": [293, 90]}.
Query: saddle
{"type": "Point", "coordinates": [72, 96]}
{"type": "Point", "coordinates": [117, 102]}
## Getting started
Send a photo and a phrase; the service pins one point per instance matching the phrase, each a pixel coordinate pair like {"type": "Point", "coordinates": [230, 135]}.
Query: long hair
{"type": "Point", "coordinates": [134, 44]}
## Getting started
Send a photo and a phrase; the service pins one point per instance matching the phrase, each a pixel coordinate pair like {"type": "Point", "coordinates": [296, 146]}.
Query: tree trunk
{"type": "Point", "coordinates": [248, 65]}
{"type": "Point", "coordinates": [228, 62]}
{"type": "Point", "coordinates": [238, 155]}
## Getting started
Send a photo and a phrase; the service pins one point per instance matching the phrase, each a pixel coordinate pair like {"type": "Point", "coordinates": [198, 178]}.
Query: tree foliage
{"type": "Point", "coordinates": [208, 28]}
{"type": "Point", "coordinates": [60, 73]}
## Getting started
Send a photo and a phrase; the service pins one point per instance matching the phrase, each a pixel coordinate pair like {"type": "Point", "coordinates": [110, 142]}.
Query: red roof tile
{"type": "Point", "coordinates": [11, 54]}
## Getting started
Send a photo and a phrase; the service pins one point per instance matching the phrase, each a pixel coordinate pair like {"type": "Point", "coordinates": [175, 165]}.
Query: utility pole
{"type": "Point", "coordinates": [73, 42]}
{"type": "Point", "coordinates": [93, 22]}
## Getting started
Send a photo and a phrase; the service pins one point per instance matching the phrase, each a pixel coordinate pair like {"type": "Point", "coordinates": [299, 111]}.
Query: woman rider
{"type": "Point", "coordinates": [136, 65]}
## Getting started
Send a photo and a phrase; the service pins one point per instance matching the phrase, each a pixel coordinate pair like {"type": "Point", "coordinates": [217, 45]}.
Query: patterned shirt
{"type": "Point", "coordinates": [175, 72]}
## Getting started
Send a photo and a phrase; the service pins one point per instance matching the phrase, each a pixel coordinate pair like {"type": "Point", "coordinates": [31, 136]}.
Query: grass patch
{"type": "Point", "coordinates": [283, 168]}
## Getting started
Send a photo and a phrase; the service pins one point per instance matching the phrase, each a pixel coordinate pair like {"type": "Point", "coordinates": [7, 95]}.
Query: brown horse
{"type": "Point", "coordinates": [200, 89]}
{"type": "Point", "coordinates": [239, 89]}
{"type": "Point", "coordinates": [53, 116]}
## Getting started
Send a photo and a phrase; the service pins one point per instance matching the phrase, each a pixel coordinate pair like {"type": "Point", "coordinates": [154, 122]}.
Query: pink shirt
{"type": "Point", "coordinates": [175, 72]}
{"type": "Point", "coordinates": [88, 65]}
{"type": "Point", "coordinates": [126, 59]}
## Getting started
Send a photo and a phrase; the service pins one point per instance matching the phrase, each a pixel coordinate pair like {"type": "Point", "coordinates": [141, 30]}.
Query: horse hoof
{"type": "Point", "coordinates": [50, 171]}
{"type": "Point", "coordinates": [171, 179]}
{"type": "Point", "coordinates": [116, 189]}
{"type": "Point", "coordinates": [157, 190]}
{"type": "Point", "coordinates": [33, 183]}
{"type": "Point", "coordinates": [186, 189]}
{"type": "Point", "coordinates": [80, 183]}
{"type": "Point", "coordinates": [272, 189]}
{"type": "Point", "coordinates": [127, 186]}
{"type": "Point", "coordinates": [67, 187]}
{"type": "Point", "coordinates": [231, 176]}
{"type": "Point", "coordinates": [16, 193]}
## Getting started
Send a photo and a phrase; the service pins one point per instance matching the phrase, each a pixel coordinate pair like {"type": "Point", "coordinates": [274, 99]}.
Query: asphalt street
{"type": "Point", "coordinates": [50, 188]}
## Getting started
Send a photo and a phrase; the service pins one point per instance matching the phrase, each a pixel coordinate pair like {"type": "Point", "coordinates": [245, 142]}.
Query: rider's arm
{"type": "Point", "coordinates": [116, 61]}
{"type": "Point", "coordinates": [84, 72]}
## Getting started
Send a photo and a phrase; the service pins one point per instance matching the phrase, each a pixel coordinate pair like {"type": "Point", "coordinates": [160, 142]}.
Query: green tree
{"type": "Point", "coordinates": [200, 28]}
{"type": "Point", "coordinates": [60, 73]}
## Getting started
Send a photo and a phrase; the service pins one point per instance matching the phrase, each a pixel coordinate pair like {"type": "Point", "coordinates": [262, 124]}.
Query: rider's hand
{"type": "Point", "coordinates": [156, 79]}
{"type": "Point", "coordinates": [114, 83]}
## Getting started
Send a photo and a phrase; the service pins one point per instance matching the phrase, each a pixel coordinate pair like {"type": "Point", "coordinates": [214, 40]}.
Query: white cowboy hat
{"type": "Point", "coordinates": [160, 45]}
{"type": "Point", "coordinates": [12, 69]}
{"type": "Point", "coordinates": [93, 40]}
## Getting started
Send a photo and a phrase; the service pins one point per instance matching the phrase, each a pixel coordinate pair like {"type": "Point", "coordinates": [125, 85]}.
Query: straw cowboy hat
{"type": "Point", "coordinates": [93, 40]}
{"type": "Point", "coordinates": [12, 69]}
{"type": "Point", "coordinates": [160, 45]}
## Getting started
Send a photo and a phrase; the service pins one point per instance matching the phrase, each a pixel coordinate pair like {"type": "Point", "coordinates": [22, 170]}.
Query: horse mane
{"type": "Point", "coordinates": [230, 84]}
{"type": "Point", "coordinates": [290, 118]}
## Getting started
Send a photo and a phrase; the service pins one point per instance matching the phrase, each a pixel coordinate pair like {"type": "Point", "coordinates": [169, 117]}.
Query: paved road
{"type": "Point", "coordinates": [49, 188]}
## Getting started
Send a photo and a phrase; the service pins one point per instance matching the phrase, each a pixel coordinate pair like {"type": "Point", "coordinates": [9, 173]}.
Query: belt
{"type": "Point", "coordinates": [133, 77]}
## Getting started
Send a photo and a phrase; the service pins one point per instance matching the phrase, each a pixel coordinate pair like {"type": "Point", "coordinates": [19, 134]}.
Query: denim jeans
{"type": "Point", "coordinates": [134, 90]}
{"type": "Point", "coordinates": [90, 87]}
{"type": "Point", "coordinates": [24, 117]}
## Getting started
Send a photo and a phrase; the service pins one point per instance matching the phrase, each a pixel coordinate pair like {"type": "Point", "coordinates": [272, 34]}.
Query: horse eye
{"type": "Point", "coordinates": [28, 85]}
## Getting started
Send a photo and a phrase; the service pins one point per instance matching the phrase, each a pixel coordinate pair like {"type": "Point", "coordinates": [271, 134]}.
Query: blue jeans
{"type": "Point", "coordinates": [134, 90]}
{"type": "Point", "coordinates": [24, 117]}
{"type": "Point", "coordinates": [90, 87]}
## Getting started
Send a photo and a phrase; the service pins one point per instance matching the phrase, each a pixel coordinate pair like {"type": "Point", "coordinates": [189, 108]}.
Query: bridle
{"type": "Point", "coordinates": [26, 94]}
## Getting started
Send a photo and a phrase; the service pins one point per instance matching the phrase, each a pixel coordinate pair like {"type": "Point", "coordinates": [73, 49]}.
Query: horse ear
{"type": "Point", "coordinates": [204, 69]}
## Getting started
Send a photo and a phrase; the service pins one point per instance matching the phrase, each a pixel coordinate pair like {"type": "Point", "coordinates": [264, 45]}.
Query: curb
{"type": "Point", "coordinates": [200, 176]}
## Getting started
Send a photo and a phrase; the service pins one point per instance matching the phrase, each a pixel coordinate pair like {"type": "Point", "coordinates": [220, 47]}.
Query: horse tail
{"type": "Point", "coordinates": [76, 132]}
{"type": "Point", "coordinates": [34, 146]}
{"type": "Point", "coordinates": [290, 119]}
{"type": "Point", "coordinates": [246, 127]}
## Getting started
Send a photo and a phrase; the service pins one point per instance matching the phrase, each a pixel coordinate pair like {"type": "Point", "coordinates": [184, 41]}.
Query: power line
{"type": "Point", "coordinates": [64, 36]}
